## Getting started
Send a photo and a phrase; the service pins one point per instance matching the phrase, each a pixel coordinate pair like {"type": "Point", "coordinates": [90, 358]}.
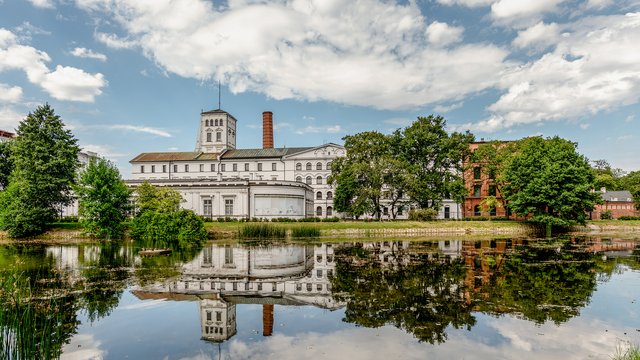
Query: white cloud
{"type": "Point", "coordinates": [27, 30]}
{"type": "Point", "coordinates": [469, 3]}
{"type": "Point", "coordinates": [527, 11]}
{"type": "Point", "coordinates": [331, 129]}
{"type": "Point", "coordinates": [447, 108]}
{"type": "Point", "coordinates": [539, 35]}
{"type": "Point", "coordinates": [9, 93]}
{"type": "Point", "coordinates": [142, 129]}
{"type": "Point", "coordinates": [88, 53]}
{"type": "Point", "coordinates": [440, 34]}
{"type": "Point", "coordinates": [10, 118]}
{"type": "Point", "coordinates": [102, 150]}
{"type": "Point", "coordinates": [591, 70]}
{"type": "Point", "coordinates": [307, 49]}
{"type": "Point", "coordinates": [83, 347]}
{"type": "Point", "coordinates": [63, 83]}
{"type": "Point", "coordinates": [44, 4]}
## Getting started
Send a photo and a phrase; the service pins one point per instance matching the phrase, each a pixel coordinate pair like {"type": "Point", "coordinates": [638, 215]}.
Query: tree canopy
{"type": "Point", "coordinates": [45, 159]}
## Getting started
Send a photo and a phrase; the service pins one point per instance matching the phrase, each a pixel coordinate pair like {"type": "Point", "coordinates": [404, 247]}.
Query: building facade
{"type": "Point", "coordinates": [615, 204]}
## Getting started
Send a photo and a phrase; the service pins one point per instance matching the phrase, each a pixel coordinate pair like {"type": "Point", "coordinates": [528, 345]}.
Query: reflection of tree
{"type": "Point", "coordinates": [419, 293]}
{"type": "Point", "coordinates": [158, 268]}
{"type": "Point", "coordinates": [542, 281]}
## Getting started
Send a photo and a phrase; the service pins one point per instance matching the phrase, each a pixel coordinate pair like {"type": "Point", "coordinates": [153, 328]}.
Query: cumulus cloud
{"type": "Point", "coordinates": [540, 36]}
{"type": "Point", "coordinates": [11, 94]}
{"type": "Point", "coordinates": [439, 33]}
{"type": "Point", "coordinates": [469, 3]}
{"type": "Point", "coordinates": [590, 70]}
{"type": "Point", "coordinates": [307, 49]}
{"type": "Point", "coordinates": [522, 10]}
{"type": "Point", "coordinates": [44, 4]}
{"type": "Point", "coordinates": [10, 118]}
{"type": "Point", "coordinates": [447, 108]}
{"type": "Point", "coordinates": [63, 83]}
{"type": "Point", "coordinates": [113, 41]}
{"type": "Point", "coordinates": [88, 53]}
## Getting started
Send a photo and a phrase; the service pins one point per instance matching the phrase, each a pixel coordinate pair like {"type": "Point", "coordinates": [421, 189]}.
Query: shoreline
{"type": "Point", "coordinates": [470, 229]}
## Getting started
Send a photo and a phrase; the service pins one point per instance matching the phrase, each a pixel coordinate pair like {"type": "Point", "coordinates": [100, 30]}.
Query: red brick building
{"type": "Point", "coordinates": [619, 203]}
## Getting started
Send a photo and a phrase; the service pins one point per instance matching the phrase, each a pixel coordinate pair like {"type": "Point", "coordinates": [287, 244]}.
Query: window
{"type": "Point", "coordinates": [221, 122]}
{"type": "Point", "coordinates": [492, 211]}
{"type": "Point", "coordinates": [206, 122]}
{"type": "Point", "coordinates": [400, 210]}
{"type": "Point", "coordinates": [319, 180]}
{"type": "Point", "coordinates": [208, 317]}
{"type": "Point", "coordinates": [235, 167]}
{"type": "Point", "coordinates": [153, 168]}
{"type": "Point", "coordinates": [223, 167]}
{"type": "Point", "coordinates": [447, 212]}
{"type": "Point", "coordinates": [308, 166]}
{"type": "Point", "coordinates": [216, 122]}
{"type": "Point", "coordinates": [201, 167]}
{"type": "Point", "coordinates": [308, 180]}
{"type": "Point", "coordinates": [228, 207]}
{"type": "Point", "coordinates": [319, 166]}
{"type": "Point", "coordinates": [207, 206]}
{"type": "Point", "coordinates": [329, 211]}
{"type": "Point", "coordinates": [476, 210]}
{"type": "Point", "coordinates": [476, 173]}
{"type": "Point", "coordinates": [175, 168]}
{"type": "Point", "coordinates": [329, 195]}
{"type": "Point", "coordinates": [218, 315]}
{"type": "Point", "coordinates": [228, 255]}
{"type": "Point", "coordinates": [218, 136]}
{"type": "Point", "coordinates": [186, 167]}
{"type": "Point", "coordinates": [246, 167]}
{"type": "Point", "coordinates": [329, 166]}
{"type": "Point", "coordinates": [208, 137]}
{"type": "Point", "coordinates": [319, 195]}
{"type": "Point", "coordinates": [492, 190]}
{"type": "Point", "coordinates": [274, 166]}
{"type": "Point", "coordinates": [476, 190]}
{"type": "Point", "coordinates": [299, 178]}
{"type": "Point", "coordinates": [299, 166]}
{"type": "Point", "coordinates": [164, 168]}
{"type": "Point", "coordinates": [319, 211]}
{"type": "Point", "coordinates": [142, 168]}
{"type": "Point", "coordinates": [385, 211]}
{"type": "Point", "coordinates": [213, 167]}
{"type": "Point", "coordinates": [319, 273]}
{"type": "Point", "coordinates": [259, 166]}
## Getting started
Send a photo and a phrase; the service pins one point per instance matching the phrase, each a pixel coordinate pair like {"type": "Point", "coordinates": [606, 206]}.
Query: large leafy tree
{"type": "Point", "coordinates": [606, 176]}
{"type": "Point", "coordinates": [436, 161]}
{"type": "Point", "coordinates": [152, 198]}
{"type": "Point", "coordinates": [103, 199]}
{"type": "Point", "coordinates": [631, 182]}
{"type": "Point", "coordinates": [45, 159]}
{"type": "Point", "coordinates": [6, 164]}
{"type": "Point", "coordinates": [549, 181]}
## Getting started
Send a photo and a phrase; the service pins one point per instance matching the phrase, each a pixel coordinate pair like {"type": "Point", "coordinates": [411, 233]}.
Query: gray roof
{"type": "Point", "coordinates": [621, 196]}
{"type": "Point", "coordinates": [262, 153]}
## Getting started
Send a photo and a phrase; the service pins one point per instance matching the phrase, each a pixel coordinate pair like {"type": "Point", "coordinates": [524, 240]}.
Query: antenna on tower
{"type": "Point", "coordinates": [219, 94]}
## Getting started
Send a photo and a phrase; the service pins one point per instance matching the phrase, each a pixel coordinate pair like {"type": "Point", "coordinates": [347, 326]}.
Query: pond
{"type": "Point", "coordinates": [565, 298]}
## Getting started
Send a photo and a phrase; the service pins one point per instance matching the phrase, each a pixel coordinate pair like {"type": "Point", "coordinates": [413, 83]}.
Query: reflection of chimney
{"type": "Point", "coordinates": [267, 130]}
{"type": "Point", "coordinates": [267, 319]}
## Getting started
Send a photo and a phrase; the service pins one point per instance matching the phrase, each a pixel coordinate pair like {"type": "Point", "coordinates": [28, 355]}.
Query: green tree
{"type": "Point", "coordinates": [631, 182]}
{"type": "Point", "coordinates": [103, 199]}
{"type": "Point", "coordinates": [606, 176]}
{"type": "Point", "coordinates": [551, 182]}
{"type": "Point", "coordinates": [154, 198]}
{"type": "Point", "coordinates": [45, 159]}
{"type": "Point", "coordinates": [435, 161]}
{"type": "Point", "coordinates": [6, 164]}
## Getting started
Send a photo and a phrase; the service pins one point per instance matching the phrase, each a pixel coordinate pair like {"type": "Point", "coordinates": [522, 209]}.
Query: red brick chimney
{"type": "Point", "coordinates": [267, 130]}
{"type": "Point", "coordinates": [267, 319]}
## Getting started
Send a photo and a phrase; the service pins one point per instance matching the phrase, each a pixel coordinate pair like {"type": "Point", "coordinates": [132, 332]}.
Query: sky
{"type": "Point", "coordinates": [132, 76]}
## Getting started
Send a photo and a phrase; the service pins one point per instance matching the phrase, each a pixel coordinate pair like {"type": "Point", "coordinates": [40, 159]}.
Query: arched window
{"type": "Point", "coordinates": [221, 122]}
{"type": "Point", "coordinates": [319, 211]}
{"type": "Point", "coordinates": [299, 179]}
{"type": "Point", "coordinates": [216, 122]}
{"type": "Point", "coordinates": [329, 195]}
{"type": "Point", "coordinates": [319, 166]}
{"type": "Point", "coordinates": [329, 211]}
{"type": "Point", "coordinates": [206, 122]}
{"type": "Point", "coordinates": [308, 166]}
{"type": "Point", "coordinates": [299, 166]}
{"type": "Point", "coordinates": [308, 180]}
{"type": "Point", "coordinates": [319, 180]}
{"type": "Point", "coordinates": [319, 195]}
{"type": "Point", "coordinates": [329, 165]}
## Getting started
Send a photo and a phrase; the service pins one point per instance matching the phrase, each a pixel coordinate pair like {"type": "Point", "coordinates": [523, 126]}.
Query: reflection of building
{"type": "Point", "coordinates": [221, 277]}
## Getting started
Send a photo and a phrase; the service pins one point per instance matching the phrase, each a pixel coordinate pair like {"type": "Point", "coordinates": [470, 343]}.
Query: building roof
{"type": "Point", "coordinates": [218, 111]}
{"type": "Point", "coordinates": [261, 153]}
{"type": "Point", "coordinates": [7, 134]}
{"type": "Point", "coordinates": [174, 156]}
{"type": "Point", "coordinates": [621, 196]}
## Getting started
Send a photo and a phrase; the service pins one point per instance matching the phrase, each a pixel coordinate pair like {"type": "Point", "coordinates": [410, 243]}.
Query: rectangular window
{"type": "Point", "coordinates": [208, 137]}
{"type": "Point", "coordinates": [208, 315]}
{"type": "Point", "coordinates": [218, 136]}
{"type": "Point", "coordinates": [142, 168]}
{"type": "Point", "coordinates": [218, 315]}
{"type": "Point", "coordinates": [207, 206]}
{"type": "Point", "coordinates": [201, 167]}
{"type": "Point", "coordinates": [164, 168]}
{"type": "Point", "coordinates": [235, 167]}
{"type": "Point", "coordinates": [259, 166]}
{"type": "Point", "coordinates": [186, 167]}
{"type": "Point", "coordinates": [213, 167]}
{"type": "Point", "coordinates": [476, 190]}
{"type": "Point", "coordinates": [153, 168]}
{"type": "Point", "coordinates": [228, 255]}
{"type": "Point", "coordinates": [175, 168]}
{"type": "Point", "coordinates": [228, 207]}
{"type": "Point", "coordinates": [476, 173]}
{"type": "Point", "coordinates": [223, 167]}
{"type": "Point", "coordinates": [246, 167]}
{"type": "Point", "coordinates": [492, 190]}
{"type": "Point", "coordinates": [274, 166]}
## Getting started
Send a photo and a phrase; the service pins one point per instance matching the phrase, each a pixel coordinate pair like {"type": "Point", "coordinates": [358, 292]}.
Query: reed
{"type": "Point", "coordinates": [630, 352]}
{"type": "Point", "coordinates": [261, 231]}
{"type": "Point", "coordinates": [305, 232]}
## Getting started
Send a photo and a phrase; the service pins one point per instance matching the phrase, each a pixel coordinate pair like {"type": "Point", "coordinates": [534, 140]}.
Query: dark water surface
{"type": "Point", "coordinates": [570, 298]}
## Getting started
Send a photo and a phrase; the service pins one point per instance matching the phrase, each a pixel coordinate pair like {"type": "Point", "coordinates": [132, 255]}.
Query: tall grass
{"type": "Point", "coordinates": [305, 232]}
{"type": "Point", "coordinates": [30, 328]}
{"type": "Point", "coordinates": [261, 231]}
{"type": "Point", "coordinates": [630, 352]}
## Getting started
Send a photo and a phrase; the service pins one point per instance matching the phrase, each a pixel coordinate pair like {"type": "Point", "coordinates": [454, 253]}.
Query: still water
{"type": "Point", "coordinates": [570, 298]}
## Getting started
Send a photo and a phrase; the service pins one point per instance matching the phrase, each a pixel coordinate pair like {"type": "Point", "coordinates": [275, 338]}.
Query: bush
{"type": "Point", "coordinates": [182, 228]}
{"type": "Point", "coordinates": [423, 214]}
{"type": "Point", "coordinates": [629, 218]}
{"type": "Point", "coordinates": [310, 219]}
{"type": "Point", "coordinates": [606, 215]}
{"type": "Point", "coordinates": [331, 219]}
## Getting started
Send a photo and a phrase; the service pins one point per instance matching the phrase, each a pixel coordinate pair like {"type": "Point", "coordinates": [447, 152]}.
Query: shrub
{"type": "Point", "coordinates": [310, 219]}
{"type": "Point", "coordinates": [182, 228]}
{"type": "Point", "coordinates": [331, 219]}
{"type": "Point", "coordinates": [606, 215]}
{"type": "Point", "coordinates": [423, 214]}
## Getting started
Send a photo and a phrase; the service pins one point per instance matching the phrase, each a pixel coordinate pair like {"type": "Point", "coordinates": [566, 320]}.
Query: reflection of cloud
{"type": "Point", "coordinates": [83, 347]}
{"type": "Point", "coordinates": [143, 305]}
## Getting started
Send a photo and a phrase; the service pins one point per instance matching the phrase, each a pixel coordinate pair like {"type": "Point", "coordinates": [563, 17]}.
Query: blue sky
{"type": "Point", "coordinates": [131, 76]}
